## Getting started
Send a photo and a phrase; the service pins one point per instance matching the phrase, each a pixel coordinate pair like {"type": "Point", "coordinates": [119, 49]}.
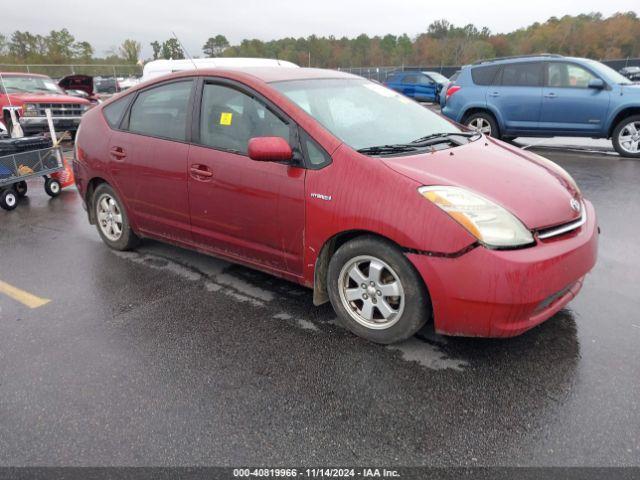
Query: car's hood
{"type": "Point", "coordinates": [523, 183]}
{"type": "Point", "coordinates": [633, 89]}
{"type": "Point", "coordinates": [83, 83]}
{"type": "Point", "coordinates": [49, 97]}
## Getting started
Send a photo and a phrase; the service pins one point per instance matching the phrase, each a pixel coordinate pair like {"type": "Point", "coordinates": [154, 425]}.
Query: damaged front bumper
{"type": "Point", "coordinates": [39, 124]}
{"type": "Point", "coordinates": [503, 293]}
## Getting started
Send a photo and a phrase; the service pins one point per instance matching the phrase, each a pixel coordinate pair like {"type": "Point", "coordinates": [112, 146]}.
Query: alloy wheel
{"type": "Point", "coordinates": [629, 137]}
{"type": "Point", "coordinates": [371, 292]}
{"type": "Point", "coordinates": [481, 125]}
{"type": "Point", "coordinates": [109, 217]}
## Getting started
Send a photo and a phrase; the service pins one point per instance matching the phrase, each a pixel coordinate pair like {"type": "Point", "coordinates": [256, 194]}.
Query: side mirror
{"type": "Point", "coordinates": [269, 149]}
{"type": "Point", "coordinates": [596, 83]}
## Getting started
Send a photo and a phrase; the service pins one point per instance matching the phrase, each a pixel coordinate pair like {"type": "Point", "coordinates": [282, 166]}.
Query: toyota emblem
{"type": "Point", "coordinates": [575, 205]}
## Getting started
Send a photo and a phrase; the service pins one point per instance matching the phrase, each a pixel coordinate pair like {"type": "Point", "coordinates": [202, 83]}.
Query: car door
{"type": "Point", "coordinates": [426, 88]}
{"type": "Point", "coordinates": [148, 159]}
{"type": "Point", "coordinates": [516, 94]}
{"type": "Point", "coordinates": [250, 210]}
{"type": "Point", "coordinates": [409, 83]}
{"type": "Point", "coordinates": [568, 104]}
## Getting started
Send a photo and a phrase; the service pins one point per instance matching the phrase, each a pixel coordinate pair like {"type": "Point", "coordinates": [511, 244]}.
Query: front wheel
{"type": "Point", "coordinates": [8, 199]}
{"type": "Point", "coordinates": [483, 122]}
{"type": "Point", "coordinates": [626, 137]}
{"type": "Point", "coordinates": [52, 187]}
{"type": "Point", "coordinates": [376, 292]}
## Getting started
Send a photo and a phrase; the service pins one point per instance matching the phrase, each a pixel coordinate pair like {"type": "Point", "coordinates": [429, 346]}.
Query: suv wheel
{"type": "Point", "coordinates": [376, 292]}
{"type": "Point", "coordinates": [483, 122]}
{"type": "Point", "coordinates": [626, 137]}
{"type": "Point", "coordinates": [111, 219]}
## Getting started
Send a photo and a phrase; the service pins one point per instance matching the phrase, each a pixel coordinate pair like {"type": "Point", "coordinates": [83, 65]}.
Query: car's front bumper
{"type": "Point", "coordinates": [503, 293]}
{"type": "Point", "coordinates": [39, 124]}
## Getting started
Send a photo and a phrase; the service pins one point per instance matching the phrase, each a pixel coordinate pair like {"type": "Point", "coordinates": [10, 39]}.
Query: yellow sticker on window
{"type": "Point", "coordinates": [226, 118]}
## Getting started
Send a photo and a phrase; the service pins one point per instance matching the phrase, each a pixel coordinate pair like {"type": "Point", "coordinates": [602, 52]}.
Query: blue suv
{"type": "Point", "coordinates": [421, 86]}
{"type": "Point", "coordinates": [546, 96]}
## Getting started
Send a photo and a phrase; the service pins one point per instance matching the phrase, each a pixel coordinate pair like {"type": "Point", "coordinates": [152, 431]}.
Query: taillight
{"type": "Point", "coordinates": [452, 89]}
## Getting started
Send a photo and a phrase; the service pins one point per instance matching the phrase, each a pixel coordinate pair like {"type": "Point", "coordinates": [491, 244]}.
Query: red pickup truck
{"type": "Point", "coordinates": [29, 95]}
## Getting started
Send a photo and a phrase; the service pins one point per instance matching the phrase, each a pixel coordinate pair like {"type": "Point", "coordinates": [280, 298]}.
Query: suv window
{"type": "Point", "coordinates": [229, 118]}
{"type": "Point", "coordinates": [114, 111]}
{"type": "Point", "coordinates": [568, 75]}
{"type": "Point", "coordinates": [483, 75]}
{"type": "Point", "coordinates": [522, 74]}
{"type": "Point", "coordinates": [162, 111]}
{"type": "Point", "coordinates": [410, 79]}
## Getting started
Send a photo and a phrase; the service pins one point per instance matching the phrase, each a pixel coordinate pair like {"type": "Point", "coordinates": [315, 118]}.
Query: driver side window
{"type": "Point", "coordinates": [229, 118]}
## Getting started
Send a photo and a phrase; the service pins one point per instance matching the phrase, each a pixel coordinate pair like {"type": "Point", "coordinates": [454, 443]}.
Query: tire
{"type": "Point", "coordinates": [8, 199]}
{"type": "Point", "coordinates": [625, 130]}
{"type": "Point", "coordinates": [353, 301]}
{"type": "Point", "coordinates": [483, 122]}
{"type": "Point", "coordinates": [21, 189]}
{"type": "Point", "coordinates": [111, 219]}
{"type": "Point", "coordinates": [52, 187]}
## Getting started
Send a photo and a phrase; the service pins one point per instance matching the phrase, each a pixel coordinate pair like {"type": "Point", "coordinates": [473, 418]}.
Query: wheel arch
{"type": "Point", "coordinates": [94, 183]}
{"type": "Point", "coordinates": [621, 115]}
{"type": "Point", "coordinates": [320, 293]}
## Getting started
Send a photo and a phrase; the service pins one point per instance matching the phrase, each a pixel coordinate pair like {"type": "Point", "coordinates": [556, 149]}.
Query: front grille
{"type": "Point", "coordinates": [564, 228]}
{"type": "Point", "coordinates": [60, 109]}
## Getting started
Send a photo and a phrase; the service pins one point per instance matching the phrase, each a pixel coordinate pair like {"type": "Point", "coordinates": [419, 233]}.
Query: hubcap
{"type": "Point", "coordinates": [480, 125]}
{"type": "Point", "coordinates": [55, 187]}
{"type": "Point", "coordinates": [371, 292]}
{"type": "Point", "coordinates": [109, 217]}
{"type": "Point", "coordinates": [629, 137]}
{"type": "Point", "coordinates": [10, 200]}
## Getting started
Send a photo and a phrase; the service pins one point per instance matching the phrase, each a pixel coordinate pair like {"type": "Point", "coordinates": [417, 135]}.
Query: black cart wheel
{"type": "Point", "coordinates": [52, 187]}
{"type": "Point", "coordinates": [20, 188]}
{"type": "Point", "coordinates": [8, 199]}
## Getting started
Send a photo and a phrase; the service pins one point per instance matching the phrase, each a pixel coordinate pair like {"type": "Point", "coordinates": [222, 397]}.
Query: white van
{"type": "Point", "coordinates": [157, 68]}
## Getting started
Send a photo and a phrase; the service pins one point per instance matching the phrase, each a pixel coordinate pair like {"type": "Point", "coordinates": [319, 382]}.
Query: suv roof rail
{"type": "Point", "coordinates": [486, 60]}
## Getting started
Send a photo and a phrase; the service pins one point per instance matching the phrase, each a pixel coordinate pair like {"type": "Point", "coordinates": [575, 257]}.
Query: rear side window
{"type": "Point", "coordinates": [410, 79]}
{"type": "Point", "coordinates": [114, 111]}
{"type": "Point", "coordinates": [522, 75]}
{"type": "Point", "coordinates": [482, 75]}
{"type": "Point", "coordinates": [162, 111]}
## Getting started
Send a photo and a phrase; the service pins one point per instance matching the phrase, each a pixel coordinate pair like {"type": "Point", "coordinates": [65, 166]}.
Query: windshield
{"type": "Point", "coordinates": [364, 114]}
{"type": "Point", "coordinates": [609, 73]}
{"type": "Point", "coordinates": [437, 77]}
{"type": "Point", "coordinates": [29, 84]}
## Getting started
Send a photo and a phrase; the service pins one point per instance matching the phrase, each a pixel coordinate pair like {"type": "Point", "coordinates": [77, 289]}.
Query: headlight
{"type": "Point", "coordinates": [489, 223]}
{"type": "Point", "coordinates": [29, 110]}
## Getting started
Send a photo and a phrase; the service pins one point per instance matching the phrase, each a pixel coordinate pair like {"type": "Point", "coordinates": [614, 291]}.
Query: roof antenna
{"type": "Point", "coordinates": [184, 50]}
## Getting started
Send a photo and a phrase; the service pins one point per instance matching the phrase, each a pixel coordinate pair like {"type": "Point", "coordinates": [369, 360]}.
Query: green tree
{"type": "Point", "coordinates": [171, 49]}
{"type": "Point", "coordinates": [157, 49]}
{"type": "Point", "coordinates": [60, 45]}
{"type": "Point", "coordinates": [83, 51]}
{"type": "Point", "coordinates": [215, 46]}
{"type": "Point", "coordinates": [130, 50]}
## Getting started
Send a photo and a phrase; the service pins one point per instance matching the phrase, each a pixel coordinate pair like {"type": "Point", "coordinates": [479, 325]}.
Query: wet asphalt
{"type": "Point", "coordinates": [166, 357]}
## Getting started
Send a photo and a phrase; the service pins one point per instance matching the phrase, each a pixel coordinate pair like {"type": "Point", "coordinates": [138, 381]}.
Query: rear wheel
{"type": "Point", "coordinates": [376, 292]}
{"type": "Point", "coordinates": [8, 199]}
{"type": "Point", "coordinates": [111, 219]}
{"type": "Point", "coordinates": [20, 188]}
{"type": "Point", "coordinates": [483, 122]}
{"type": "Point", "coordinates": [626, 137]}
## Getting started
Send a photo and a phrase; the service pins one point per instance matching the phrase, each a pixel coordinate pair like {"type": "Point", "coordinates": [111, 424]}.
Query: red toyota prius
{"type": "Point", "coordinates": [391, 212]}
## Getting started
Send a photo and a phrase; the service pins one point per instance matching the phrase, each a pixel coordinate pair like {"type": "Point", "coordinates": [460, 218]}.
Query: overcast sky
{"type": "Point", "coordinates": [105, 23]}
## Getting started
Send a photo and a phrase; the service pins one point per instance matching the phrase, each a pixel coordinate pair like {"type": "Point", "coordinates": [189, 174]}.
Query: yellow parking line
{"type": "Point", "coordinates": [21, 296]}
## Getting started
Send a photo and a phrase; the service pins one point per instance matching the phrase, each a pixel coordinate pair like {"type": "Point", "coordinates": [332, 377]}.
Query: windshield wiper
{"type": "Point", "coordinates": [444, 135]}
{"type": "Point", "coordinates": [381, 149]}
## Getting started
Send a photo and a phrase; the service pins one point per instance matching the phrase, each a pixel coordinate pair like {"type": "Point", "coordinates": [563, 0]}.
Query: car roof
{"type": "Point", "coordinates": [266, 74]}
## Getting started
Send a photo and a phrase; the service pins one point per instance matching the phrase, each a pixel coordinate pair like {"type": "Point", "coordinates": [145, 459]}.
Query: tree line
{"type": "Point", "coordinates": [443, 43]}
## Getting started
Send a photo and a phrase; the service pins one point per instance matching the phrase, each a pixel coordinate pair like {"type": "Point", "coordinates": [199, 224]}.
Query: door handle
{"type": "Point", "coordinates": [118, 153]}
{"type": "Point", "coordinates": [550, 95]}
{"type": "Point", "coordinates": [200, 172]}
{"type": "Point", "coordinates": [494, 94]}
